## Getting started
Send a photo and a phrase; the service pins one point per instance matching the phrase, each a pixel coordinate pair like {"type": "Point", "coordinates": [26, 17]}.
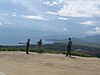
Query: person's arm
{"type": "Point", "coordinates": [21, 43]}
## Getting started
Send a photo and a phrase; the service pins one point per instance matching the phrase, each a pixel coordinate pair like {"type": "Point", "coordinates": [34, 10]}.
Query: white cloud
{"type": "Point", "coordinates": [5, 23]}
{"type": "Point", "coordinates": [34, 17]}
{"type": "Point", "coordinates": [90, 32]}
{"type": "Point", "coordinates": [54, 3]}
{"type": "Point", "coordinates": [1, 24]}
{"type": "Point", "coordinates": [79, 8]}
{"type": "Point", "coordinates": [97, 30]}
{"type": "Point", "coordinates": [94, 31]}
{"type": "Point", "coordinates": [73, 8]}
{"type": "Point", "coordinates": [88, 23]}
{"type": "Point", "coordinates": [14, 14]}
{"type": "Point", "coordinates": [62, 18]}
{"type": "Point", "coordinates": [26, 3]}
{"type": "Point", "coordinates": [52, 13]}
{"type": "Point", "coordinates": [65, 29]}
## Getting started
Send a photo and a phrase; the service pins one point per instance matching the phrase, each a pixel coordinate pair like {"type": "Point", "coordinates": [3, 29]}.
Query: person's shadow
{"type": "Point", "coordinates": [73, 57]}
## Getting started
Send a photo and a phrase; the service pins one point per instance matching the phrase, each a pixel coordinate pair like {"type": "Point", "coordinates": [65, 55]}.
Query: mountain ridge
{"type": "Point", "coordinates": [94, 39]}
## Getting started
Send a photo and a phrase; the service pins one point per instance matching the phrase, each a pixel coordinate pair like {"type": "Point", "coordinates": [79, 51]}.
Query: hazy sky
{"type": "Point", "coordinates": [49, 17]}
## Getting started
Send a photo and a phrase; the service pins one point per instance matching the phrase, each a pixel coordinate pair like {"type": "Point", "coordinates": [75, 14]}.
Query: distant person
{"type": "Point", "coordinates": [39, 45]}
{"type": "Point", "coordinates": [69, 48]}
{"type": "Point", "coordinates": [27, 46]}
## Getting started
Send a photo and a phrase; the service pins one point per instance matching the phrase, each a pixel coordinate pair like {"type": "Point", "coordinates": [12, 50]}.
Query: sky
{"type": "Point", "coordinates": [35, 19]}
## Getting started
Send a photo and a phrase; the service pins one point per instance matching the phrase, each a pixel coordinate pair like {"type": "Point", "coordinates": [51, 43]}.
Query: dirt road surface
{"type": "Point", "coordinates": [19, 63]}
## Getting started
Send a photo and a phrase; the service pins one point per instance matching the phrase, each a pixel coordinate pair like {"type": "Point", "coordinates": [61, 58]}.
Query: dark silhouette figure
{"type": "Point", "coordinates": [69, 48]}
{"type": "Point", "coordinates": [27, 46]}
{"type": "Point", "coordinates": [39, 46]}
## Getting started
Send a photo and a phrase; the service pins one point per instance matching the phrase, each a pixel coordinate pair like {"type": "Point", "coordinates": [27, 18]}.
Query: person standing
{"type": "Point", "coordinates": [39, 45]}
{"type": "Point", "coordinates": [69, 48]}
{"type": "Point", "coordinates": [27, 46]}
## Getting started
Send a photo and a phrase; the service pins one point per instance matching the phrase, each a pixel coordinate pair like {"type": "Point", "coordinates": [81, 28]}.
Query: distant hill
{"type": "Point", "coordinates": [79, 41]}
{"type": "Point", "coordinates": [56, 37]}
{"type": "Point", "coordinates": [74, 40]}
{"type": "Point", "coordinates": [95, 39]}
{"type": "Point", "coordinates": [1, 45]}
{"type": "Point", "coordinates": [92, 39]}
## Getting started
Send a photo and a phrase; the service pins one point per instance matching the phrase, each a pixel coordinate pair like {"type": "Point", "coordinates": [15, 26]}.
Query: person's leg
{"type": "Point", "coordinates": [27, 50]}
{"type": "Point", "coordinates": [69, 53]}
{"type": "Point", "coordinates": [40, 51]}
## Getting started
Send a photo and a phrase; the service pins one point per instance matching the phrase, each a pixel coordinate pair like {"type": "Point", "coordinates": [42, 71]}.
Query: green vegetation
{"type": "Point", "coordinates": [59, 48]}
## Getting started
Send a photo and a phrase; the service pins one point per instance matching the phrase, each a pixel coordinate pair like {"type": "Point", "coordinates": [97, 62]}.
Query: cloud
{"type": "Point", "coordinates": [14, 14]}
{"type": "Point", "coordinates": [5, 23]}
{"type": "Point", "coordinates": [54, 3]}
{"type": "Point", "coordinates": [1, 24]}
{"type": "Point", "coordinates": [32, 17]}
{"type": "Point", "coordinates": [56, 11]}
{"type": "Point", "coordinates": [88, 23]}
{"type": "Point", "coordinates": [52, 13]}
{"type": "Point", "coordinates": [62, 18]}
{"type": "Point", "coordinates": [28, 4]}
{"type": "Point", "coordinates": [79, 8]}
{"type": "Point", "coordinates": [94, 31]}
{"type": "Point", "coordinates": [65, 29]}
